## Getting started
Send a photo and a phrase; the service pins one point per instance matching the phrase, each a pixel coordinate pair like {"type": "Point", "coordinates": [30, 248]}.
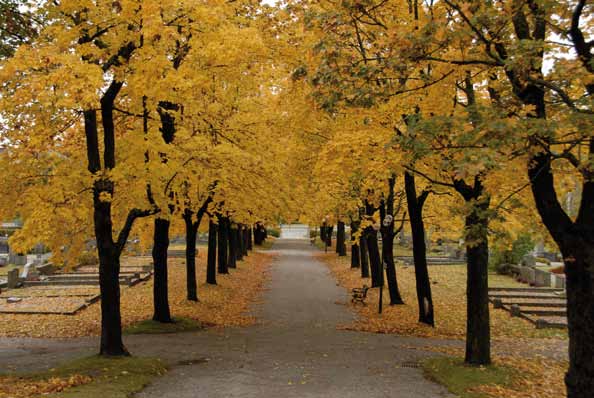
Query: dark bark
{"type": "Point", "coordinates": [191, 234]}
{"type": "Point", "coordinates": [328, 235]}
{"type": "Point", "coordinates": [478, 335]}
{"type": "Point", "coordinates": [160, 288]}
{"type": "Point", "coordinates": [211, 264]}
{"type": "Point", "coordinates": [341, 239]}
{"type": "Point", "coordinates": [576, 243]}
{"type": "Point", "coordinates": [417, 226]}
{"type": "Point", "coordinates": [364, 256]}
{"type": "Point", "coordinates": [238, 243]}
{"type": "Point", "coordinates": [375, 262]}
{"type": "Point", "coordinates": [355, 252]}
{"type": "Point", "coordinates": [388, 260]}
{"type": "Point", "coordinates": [109, 270]}
{"type": "Point", "coordinates": [388, 234]}
{"type": "Point", "coordinates": [250, 243]}
{"type": "Point", "coordinates": [374, 257]}
{"type": "Point", "coordinates": [232, 257]}
{"type": "Point", "coordinates": [223, 246]}
{"type": "Point", "coordinates": [580, 315]}
{"type": "Point", "coordinates": [259, 234]}
{"type": "Point", "coordinates": [244, 240]}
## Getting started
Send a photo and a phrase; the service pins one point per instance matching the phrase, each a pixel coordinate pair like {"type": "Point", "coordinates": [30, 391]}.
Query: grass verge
{"type": "Point", "coordinates": [266, 245]}
{"type": "Point", "coordinates": [152, 327]}
{"type": "Point", "coordinates": [463, 380]}
{"type": "Point", "coordinates": [90, 377]}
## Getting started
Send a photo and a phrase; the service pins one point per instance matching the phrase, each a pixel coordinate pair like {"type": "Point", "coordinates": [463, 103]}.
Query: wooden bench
{"type": "Point", "coordinates": [359, 294]}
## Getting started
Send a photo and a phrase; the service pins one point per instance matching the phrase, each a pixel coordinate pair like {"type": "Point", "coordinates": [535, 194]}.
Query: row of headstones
{"type": "Point", "coordinates": [30, 271]}
{"type": "Point", "coordinates": [538, 277]}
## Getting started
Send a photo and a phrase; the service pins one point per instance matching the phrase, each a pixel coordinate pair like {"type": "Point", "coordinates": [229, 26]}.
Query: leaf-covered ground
{"type": "Point", "coordinates": [448, 284]}
{"type": "Point", "coordinates": [225, 304]}
{"type": "Point", "coordinates": [91, 377]}
{"type": "Point", "coordinates": [538, 357]}
{"type": "Point", "coordinates": [509, 377]}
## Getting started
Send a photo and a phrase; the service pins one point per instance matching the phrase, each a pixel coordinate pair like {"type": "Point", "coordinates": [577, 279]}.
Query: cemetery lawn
{"type": "Point", "coordinates": [179, 325]}
{"type": "Point", "coordinates": [535, 357]}
{"type": "Point", "coordinates": [226, 304]}
{"type": "Point", "coordinates": [448, 284]}
{"type": "Point", "coordinates": [463, 380]}
{"type": "Point", "coordinates": [4, 270]}
{"type": "Point", "coordinates": [509, 377]}
{"type": "Point", "coordinates": [91, 377]}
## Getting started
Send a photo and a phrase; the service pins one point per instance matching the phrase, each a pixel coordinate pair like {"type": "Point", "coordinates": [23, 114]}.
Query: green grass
{"type": "Point", "coordinates": [118, 377]}
{"type": "Point", "coordinates": [152, 327]}
{"type": "Point", "coordinates": [266, 245]}
{"type": "Point", "coordinates": [498, 280]}
{"type": "Point", "coordinates": [4, 270]}
{"type": "Point", "coordinates": [319, 243]}
{"type": "Point", "coordinates": [459, 378]}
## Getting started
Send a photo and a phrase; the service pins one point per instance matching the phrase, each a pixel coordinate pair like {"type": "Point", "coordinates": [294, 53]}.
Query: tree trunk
{"type": "Point", "coordinates": [576, 243]}
{"type": "Point", "coordinates": [244, 243]}
{"type": "Point", "coordinates": [250, 244]}
{"type": "Point", "coordinates": [423, 285]}
{"type": "Point", "coordinates": [191, 233]}
{"type": "Point", "coordinates": [160, 291]}
{"type": "Point", "coordinates": [580, 316]}
{"type": "Point", "coordinates": [478, 335]}
{"type": "Point", "coordinates": [238, 243]}
{"type": "Point", "coordinates": [329, 235]}
{"type": "Point", "coordinates": [109, 284]}
{"type": "Point", "coordinates": [232, 259]}
{"type": "Point", "coordinates": [223, 248]}
{"type": "Point", "coordinates": [355, 253]}
{"type": "Point", "coordinates": [364, 256]}
{"type": "Point", "coordinates": [211, 265]}
{"type": "Point", "coordinates": [374, 257]}
{"type": "Point", "coordinates": [387, 231]}
{"type": "Point", "coordinates": [388, 260]}
{"type": "Point", "coordinates": [341, 239]}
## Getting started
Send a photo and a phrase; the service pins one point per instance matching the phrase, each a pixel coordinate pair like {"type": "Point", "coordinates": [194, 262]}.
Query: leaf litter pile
{"type": "Point", "coordinates": [225, 304]}
{"type": "Point", "coordinates": [538, 355]}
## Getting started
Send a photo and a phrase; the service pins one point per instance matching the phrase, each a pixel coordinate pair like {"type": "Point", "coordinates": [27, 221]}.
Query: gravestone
{"type": "Point", "coordinates": [515, 310]}
{"type": "Point", "coordinates": [542, 278]}
{"type": "Point", "coordinates": [558, 281]}
{"type": "Point", "coordinates": [16, 259]}
{"type": "Point", "coordinates": [529, 261]}
{"type": "Point", "coordinates": [12, 278]}
{"type": "Point", "coordinates": [527, 275]}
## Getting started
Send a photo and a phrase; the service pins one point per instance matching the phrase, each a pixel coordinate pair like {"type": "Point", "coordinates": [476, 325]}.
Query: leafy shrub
{"type": "Point", "coordinates": [500, 259]}
{"type": "Point", "coordinates": [313, 233]}
{"type": "Point", "coordinates": [88, 258]}
{"type": "Point", "coordinates": [273, 232]}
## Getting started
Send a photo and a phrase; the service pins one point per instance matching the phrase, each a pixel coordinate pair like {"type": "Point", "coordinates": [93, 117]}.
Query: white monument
{"type": "Point", "coordinates": [294, 231]}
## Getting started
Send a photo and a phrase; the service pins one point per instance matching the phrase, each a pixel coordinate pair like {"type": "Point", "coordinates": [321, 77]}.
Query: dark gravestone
{"type": "Point", "coordinates": [12, 278]}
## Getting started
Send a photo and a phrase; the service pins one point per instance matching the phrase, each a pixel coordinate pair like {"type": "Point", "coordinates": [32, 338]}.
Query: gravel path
{"type": "Point", "coordinates": [296, 351]}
